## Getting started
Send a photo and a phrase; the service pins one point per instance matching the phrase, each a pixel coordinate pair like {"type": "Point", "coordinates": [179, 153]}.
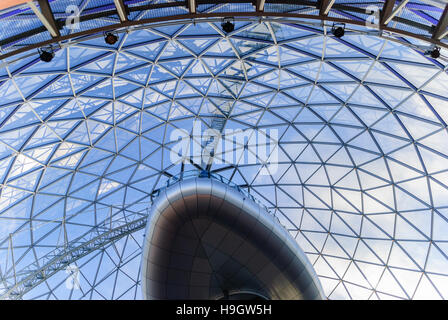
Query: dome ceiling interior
{"type": "Point", "coordinates": [362, 179]}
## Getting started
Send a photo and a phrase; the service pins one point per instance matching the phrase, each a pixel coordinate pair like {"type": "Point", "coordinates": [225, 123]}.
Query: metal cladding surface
{"type": "Point", "coordinates": [206, 240]}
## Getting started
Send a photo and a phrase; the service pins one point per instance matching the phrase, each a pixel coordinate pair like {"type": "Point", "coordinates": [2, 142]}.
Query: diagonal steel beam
{"type": "Point", "coordinates": [394, 12]}
{"type": "Point", "coordinates": [15, 286]}
{"type": "Point", "coordinates": [59, 259]}
{"type": "Point", "coordinates": [192, 6]}
{"type": "Point", "coordinates": [260, 5]}
{"type": "Point", "coordinates": [325, 6]}
{"type": "Point", "coordinates": [387, 10]}
{"type": "Point", "coordinates": [121, 9]}
{"type": "Point", "coordinates": [441, 28]}
{"type": "Point", "coordinates": [46, 16]}
{"type": "Point", "coordinates": [214, 15]}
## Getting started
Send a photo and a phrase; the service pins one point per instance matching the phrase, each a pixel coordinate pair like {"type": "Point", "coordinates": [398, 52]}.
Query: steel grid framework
{"type": "Point", "coordinates": [85, 136]}
{"type": "Point", "coordinates": [61, 258]}
{"type": "Point", "coordinates": [17, 284]}
{"type": "Point", "coordinates": [416, 20]}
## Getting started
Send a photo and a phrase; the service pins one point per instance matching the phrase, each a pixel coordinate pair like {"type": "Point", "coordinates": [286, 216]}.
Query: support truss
{"type": "Point", "coordinates": [192, 6]}
{"type": "Point", "coordinates": [18, 283]}
{"type": "Point", "coordinates": [59, 259]}
{"type": "Point", "coordinates": [218, 123]}
{"type": "Point", "coordinates": [46, 16]}
{"type": "Point", "coordinates": [387, 18]}
{"type": "Point", "coordinates": [260, 5]}
{"type": "Point", "coordinates": [325, 6]}
{"type": "Point", "coordinates": [387, 10]}
{"type": "Point", "coordinates": [389, 13]}
{"type": "Point", "coordinates": [121, 9]}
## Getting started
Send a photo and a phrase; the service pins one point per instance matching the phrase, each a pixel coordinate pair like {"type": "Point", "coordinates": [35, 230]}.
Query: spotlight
{"type": "Point", "coordinates": [227, 25]}
{"type": "Point", "coordinates": [338, 30]}
{"type": "Point", "coordinates": [435, 53]}
{"type": "Point", "coordinates": [110, 38]}
{"type": "Point", "coordinates": [46, 55]}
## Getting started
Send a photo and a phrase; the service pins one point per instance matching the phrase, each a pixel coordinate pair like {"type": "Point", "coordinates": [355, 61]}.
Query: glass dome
{"type": "Point", "coordinates": [361, 180]}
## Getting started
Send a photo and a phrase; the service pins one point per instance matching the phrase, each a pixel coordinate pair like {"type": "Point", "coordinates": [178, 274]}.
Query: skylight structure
{"type": "Point", "coordinates": [361, 168]}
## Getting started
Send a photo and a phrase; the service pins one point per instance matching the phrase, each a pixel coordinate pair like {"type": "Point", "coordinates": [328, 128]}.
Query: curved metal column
{"type": "Point", "coordinates": [207, 240]}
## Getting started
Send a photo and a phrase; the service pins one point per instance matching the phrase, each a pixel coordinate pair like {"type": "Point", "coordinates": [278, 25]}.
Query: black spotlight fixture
{"type": "Point", "coordinates": [110, 38]}
{"type": "Point", "coordinates": [338, 30]}
{"type": "Point", "coordinates": [46, 55]}
{"type": "Point", "coordinates": [435, 52]}
{"type": "Point", "coordinates": [228, 25]}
